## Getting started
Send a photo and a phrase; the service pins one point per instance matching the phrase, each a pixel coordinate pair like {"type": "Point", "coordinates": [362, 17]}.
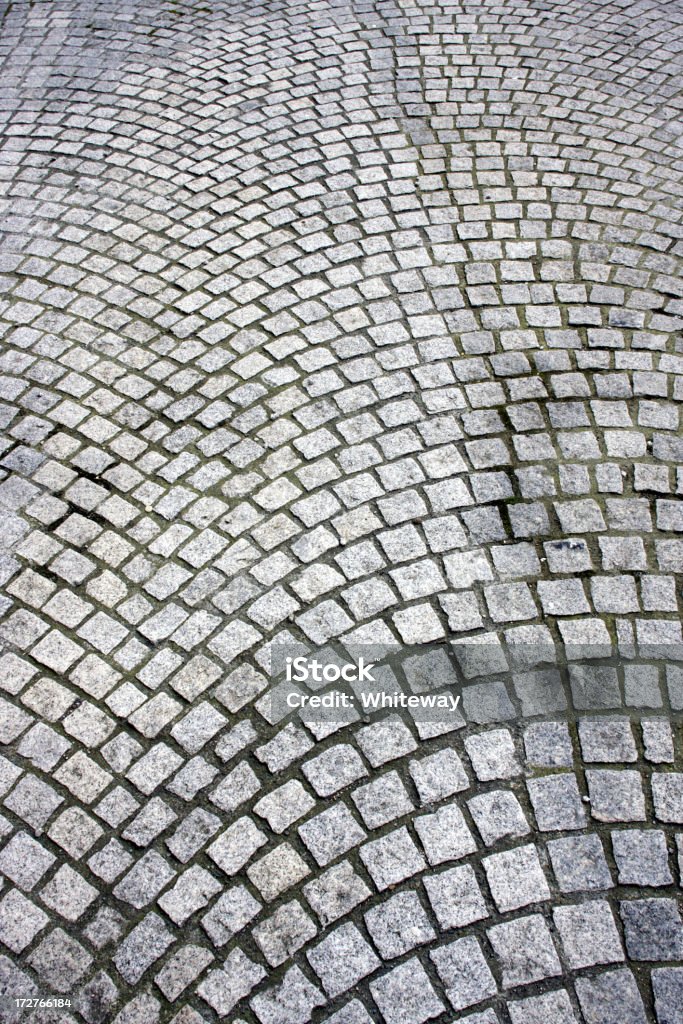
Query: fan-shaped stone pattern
{"type": "Point", "coordinates": [326, 320]}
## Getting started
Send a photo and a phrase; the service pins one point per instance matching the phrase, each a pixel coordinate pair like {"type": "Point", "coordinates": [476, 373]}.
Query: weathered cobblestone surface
{"type": "Point", "coordinates": [339, 319]}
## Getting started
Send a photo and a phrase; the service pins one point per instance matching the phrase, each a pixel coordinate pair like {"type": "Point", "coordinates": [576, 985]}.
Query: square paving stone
{"type": "Point", "coordinates": [615, 795]}
{"type": "Point", "coordinates": [392, 858]}
{"type": "Point", "coordinates": [604, 739]}
{"type": "Point", "coordinates": [121, 751]}
{"type": "Point", "coordinates": [385, 740]}
{"type": "Point", "coordinates": [398, 925]}
{"type": "Point", "coordinates": [239, 785]}
{"type": "Point", "coordinates": [181, 970]}
{"type": "Point", "coordinates": [667, 793]}
{"type": "Point", "coordinates": [653, 929]}
{"type": "Point", "coordinates": [455, 897]}
{"type": "Point", "coordinates": [331, 833]}
{"type": "Point", "coordinates": [481, 658]}
{"type": "Point", "coordinates": [405, 995]}
{"type": "Point", "coordinates": [382, 800]}
{"type": "Point", "coordinates": [642, 686]}
{"type": "Point", "coordinates": [464, 972]}
{"type": "Point", "coordinates": [223, 989]}
{"type": "Point", "coordinates": [525, 950]}
{"type": "Point", "coordinates": [487, 702]}
{"type": "Point", "coordinates": [60, 961]}
{"type": "Point", "coordinates": [143, 1009]}
{"type": "Point", "coordinates": [418, 624]}
{"type": "Point", "coordinates": [563, 597]}
{"type": "Point", "coordinates": [20, 921]}
{"type": "Point", "coordinates": [56, 651]}
{"type": "Point", "coordinates": [290, 1002]}
{"type": "Point", "coordinates": [142, 947]}
{"type": "Point", "coordinates": [429, 671]}
{"type": "Point", "coordinates": [498, 814]}
{"type": "Point", "coordinates": [75, 831]}
{"type": "Point", "coordinates": [611, 998]}
{"type": "Point", "coordinates": [277, 871]}
{"type": "Point", "coordinates": [594, 687]}
{"type": "Point", "coordinates": [235, 846]}
{"type": "Point", "coordinates": [145, 880]}
{"type": "Point", "coordinates": [195, 775]}
{"type": "Point", "coordinates": [336, 892]}
{"type": "Point", "coordinates": [642, 857]}
{"type": "Point", "coordinates": [230, 914]}
{"type": "Point", "coordinates": [548, 745]}
{"type": "Point", "coordinates": [110, 862]}
{"type": "Point", "coordinates": [353, 1013]}
{"type": "Point", "coordinates": [284, 932]}
{"type": "Point", "coordinates": [444, 835]}
{"type": "Point", "coordinates": [105, 927]}
{"type": "Point", "coordinates": [438, 776]}
{"type": "Point", "coordinates": [197, 727]}
{"type": "Point", "coordinates": [658, 740]}
{"type": "Point", "coordinates": [334, 769]}
{"type": "Point", "coordinates": [510, 602]}
{"type": "Point", "coordinates": [342, 959]}
{"type": "Point", "coordinates": [579, 863]}
{"type": "Point", "coordinates": [557, 803]}
{"type": "Point", "coordinates": [33, 801]}
{"type": "Point", "coordinates": [589, 934]}
{"type": "Point", "coordinates": [193, 833]}
{"type": "Point", "coordinates": [193, 890]}
{"type": "Point", "coordinates": [68, 893]}
{"type": "Point", "coordinates": [43, 747]}
{"type": "Point", "coordinates": [116, 806]}
{"type": "Point", "coordinates": [667, 985]}
{"type": "Point", "coordinates": [83, 777]}
{"type": "Point", "coordinates": [153, 819]}
{"type": "Point", "coordinates": [97, 998]}
{"type": "Point", "coordinates": [24, 861]}
{"type": "Point", "coordinates": [516, 878]}
{"type": "Point", "coordinates": [493, 755]}
{"type": "Point", "coordinates": [541, 693]}
{"type": "Point", "coordinates": [553, 1006]}
{"type": "Point", "coordinates": [284, 805]}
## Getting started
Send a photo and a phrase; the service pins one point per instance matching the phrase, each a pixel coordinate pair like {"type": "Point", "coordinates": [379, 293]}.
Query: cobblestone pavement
{"type": "Point", "coordinates": [339, 319]}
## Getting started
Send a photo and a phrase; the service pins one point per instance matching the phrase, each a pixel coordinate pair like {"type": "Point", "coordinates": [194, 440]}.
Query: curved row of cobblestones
{"type": "Point", "coordinates": [352, 321]}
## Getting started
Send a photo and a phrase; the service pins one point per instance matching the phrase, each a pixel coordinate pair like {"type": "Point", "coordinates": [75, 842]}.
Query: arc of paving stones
{"type": "Point", "coordinates": [319, 321]}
